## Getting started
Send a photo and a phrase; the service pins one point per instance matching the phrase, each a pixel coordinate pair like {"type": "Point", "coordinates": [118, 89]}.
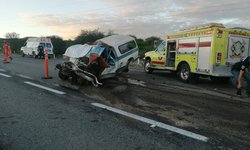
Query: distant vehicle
{"type": "Point", "coordinates": [35, 47]}
{"type": "Point", "coordinates": [204, 50]}
{"type": "Point", "coordinates": [105, 58]}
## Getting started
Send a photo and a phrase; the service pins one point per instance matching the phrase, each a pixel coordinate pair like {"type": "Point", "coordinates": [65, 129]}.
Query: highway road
{"type": "Point", "coordinates": [134, 111]}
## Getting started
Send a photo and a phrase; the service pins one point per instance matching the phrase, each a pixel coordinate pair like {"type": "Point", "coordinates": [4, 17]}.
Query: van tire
{"type": "Point", "coordinates": [23, 54]}
{"type": "Point", "coordinates": [184, 73]}
{"type": "Point", "coordinates": [147, 66]}
{"type": "Point", "coordinates": [127, 65]}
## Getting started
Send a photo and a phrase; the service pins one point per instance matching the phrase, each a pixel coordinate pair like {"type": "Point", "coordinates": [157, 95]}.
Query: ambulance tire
{"type": "Point", "coordinates": [147, 66]}
{"type": "Point", "coordinates": [62, 76]}
{"type": "Point", "coordinates": [184, 73]}
{"type": "Point", "coordinates": [23, 54]}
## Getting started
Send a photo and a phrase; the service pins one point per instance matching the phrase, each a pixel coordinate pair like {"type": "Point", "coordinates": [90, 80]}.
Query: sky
{"type": "Point", "coordinates": [142, 18]}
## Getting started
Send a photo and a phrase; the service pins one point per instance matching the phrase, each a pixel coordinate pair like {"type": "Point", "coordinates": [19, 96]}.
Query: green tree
{"type": "Point", "coordinates": [146, 45]}
{"type": "Point", "coordinates": [59, 45]}
{"type": "Point", "coordinates": [15, 44]}
{"type": "Point", "coordinates": [69, 42]}
{"type": "Point", "coordinates": [88, 36]}
{"type": "Point", "coordinates": [150, 43]}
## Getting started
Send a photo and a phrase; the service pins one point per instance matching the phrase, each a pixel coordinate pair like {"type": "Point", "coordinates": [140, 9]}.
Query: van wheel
{"type": "Point", "coordinates": [185, 73]}
{"type": "Point", "coordinates": [147, 66]}
{"type": "Point", "coordinates": [127, 66]}
{"type": "Point", "coordinates": [23, 54]}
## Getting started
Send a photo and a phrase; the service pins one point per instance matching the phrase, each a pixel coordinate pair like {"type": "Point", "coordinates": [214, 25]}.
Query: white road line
{"type": "Point", "coordinates": [24, 76]}
{"type": "Point", "coordinates": [2, 70]}
{"type": "Point", "coordinates": [5, 75]}
{"type": "Point", "coordinates": [153, 122]}
{"type": "Point", "coordinates": [45, 88]}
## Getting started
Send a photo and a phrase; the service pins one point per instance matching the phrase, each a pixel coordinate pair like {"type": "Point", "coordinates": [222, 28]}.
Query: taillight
{"type": "Point", "coordinates": [218, 58]}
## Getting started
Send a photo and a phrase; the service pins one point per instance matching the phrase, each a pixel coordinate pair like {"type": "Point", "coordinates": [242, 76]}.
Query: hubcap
{"type": "Point", "coordinates": [147, 66]}
{"type": "Point", "coordinates": [184, 73]}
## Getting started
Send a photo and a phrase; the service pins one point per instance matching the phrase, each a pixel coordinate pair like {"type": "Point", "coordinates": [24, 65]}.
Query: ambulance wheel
{"type": "Point", "coordinates": [147, 66]}
{"type": "Point", "coordinates": [23, 54]}
{"type": "Point", "coordinates": [184, 73]}
{"type": "Point", "coordinates": [62, 76]}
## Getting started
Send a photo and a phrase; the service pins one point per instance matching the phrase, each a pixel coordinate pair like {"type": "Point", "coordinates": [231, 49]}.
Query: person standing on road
{"type": "Point", "coordinates": [9, 52]}
{"type": "Point", "coordinates": [241, 70]}
{"type": "Point", "coordinates": [5, 50]}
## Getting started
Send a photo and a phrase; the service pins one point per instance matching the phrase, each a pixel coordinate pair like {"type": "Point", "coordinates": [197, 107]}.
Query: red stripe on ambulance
{"type": "Point", "coordinates": [186, 45]}
{"type": "Point", "coordinates": [158, 62]}
{"type": "Point", "coordinates": [205, 44]}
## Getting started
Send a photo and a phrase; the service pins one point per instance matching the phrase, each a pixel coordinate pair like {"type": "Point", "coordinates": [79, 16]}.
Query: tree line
{"type": "Point", "coordinates": [85, 36]}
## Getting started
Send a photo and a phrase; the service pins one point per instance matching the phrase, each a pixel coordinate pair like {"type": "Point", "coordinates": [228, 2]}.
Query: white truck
{"type": "Point", "coordinates": [35, 47]}
{"type": "Point", "coordinates": [107, 57]}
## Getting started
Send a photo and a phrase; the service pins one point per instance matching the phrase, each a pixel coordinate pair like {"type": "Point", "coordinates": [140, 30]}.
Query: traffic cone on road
{"type": "Point", "coordinates": [46, 65]}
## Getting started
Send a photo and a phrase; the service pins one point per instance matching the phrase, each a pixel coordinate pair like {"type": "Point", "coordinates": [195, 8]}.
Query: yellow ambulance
{"type": "Point", "coordinates": [207, 50]}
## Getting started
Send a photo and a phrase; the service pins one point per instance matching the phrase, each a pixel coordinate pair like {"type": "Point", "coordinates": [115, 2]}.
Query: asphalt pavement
{"type": "Point", "coordinates": [34, 118]}
{"type": "Point", "coordinates": [137, 111]}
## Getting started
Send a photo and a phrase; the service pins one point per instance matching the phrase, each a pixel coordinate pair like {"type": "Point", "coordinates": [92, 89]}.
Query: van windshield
{"type": "Point", "coordinates": [42, 44]}
{"type": "Point", "coordinates": [48, 45]}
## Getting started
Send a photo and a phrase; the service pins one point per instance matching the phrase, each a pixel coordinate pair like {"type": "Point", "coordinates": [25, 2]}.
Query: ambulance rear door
{"type": "Point", "coordinates": [238, 48]}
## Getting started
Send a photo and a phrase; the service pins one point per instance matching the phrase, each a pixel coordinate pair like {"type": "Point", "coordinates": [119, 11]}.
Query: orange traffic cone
{"type": "Point", "coordinates": [46, 66]}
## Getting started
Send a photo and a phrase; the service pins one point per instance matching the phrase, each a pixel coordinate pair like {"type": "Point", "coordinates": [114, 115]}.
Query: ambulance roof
{"type": "Point", "coordinates": [203, 26]}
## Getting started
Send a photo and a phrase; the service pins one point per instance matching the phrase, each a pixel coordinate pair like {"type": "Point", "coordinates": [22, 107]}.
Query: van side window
{"type": "Point", "coordinates": [48, 45]}
{"type": "Point", "coordinates": [30, 44]}
{"type": "Point", "coordinates": [127, 47]}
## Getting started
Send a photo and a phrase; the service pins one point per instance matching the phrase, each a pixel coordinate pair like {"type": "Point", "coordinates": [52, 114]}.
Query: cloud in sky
{"type": "Point", "coordinates": [142, 18]}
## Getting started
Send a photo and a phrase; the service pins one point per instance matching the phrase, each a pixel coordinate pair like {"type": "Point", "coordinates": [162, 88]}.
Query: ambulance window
{"type": "Point", "coordinates": [161, 47]}
{"type": "Point", "coordinates": [172, 46]}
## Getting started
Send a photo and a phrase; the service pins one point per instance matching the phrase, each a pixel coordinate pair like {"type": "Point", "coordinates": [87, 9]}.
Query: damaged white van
{"type": "Point", "coordinates": [105, 58]}
{"type": "Point", "coordinates": [35, 47]}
